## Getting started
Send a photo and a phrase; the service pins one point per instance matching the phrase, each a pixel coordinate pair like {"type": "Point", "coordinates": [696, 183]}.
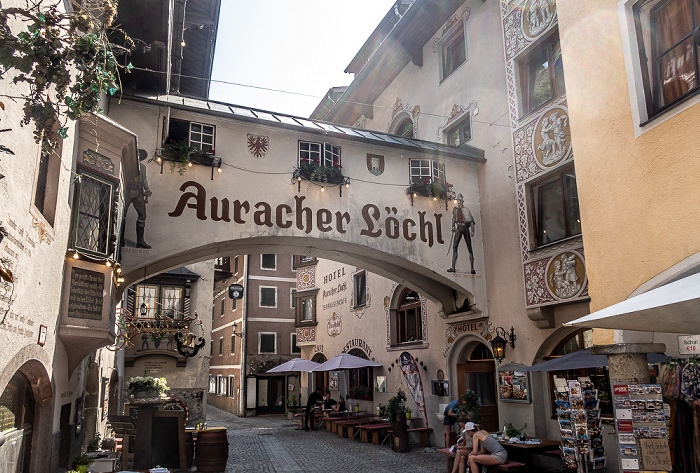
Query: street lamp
{"type": "Point", "coordinates": [499, 343]}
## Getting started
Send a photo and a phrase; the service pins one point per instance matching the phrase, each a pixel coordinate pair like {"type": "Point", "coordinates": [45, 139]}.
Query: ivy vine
{"type": "Point", "coordinates": [65, 58]}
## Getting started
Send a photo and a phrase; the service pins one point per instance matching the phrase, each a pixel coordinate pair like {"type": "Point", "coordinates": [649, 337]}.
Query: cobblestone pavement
{"type": "Point", "coordinates": [271, 444]}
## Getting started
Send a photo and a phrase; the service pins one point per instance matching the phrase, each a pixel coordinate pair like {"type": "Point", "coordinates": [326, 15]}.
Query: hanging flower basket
{"type": "Point", "coordinates": [181, 155]}
{"type": "Point", "coordinates": [314, 172]}
{"type": "Point", "coordinates": [438, 188]}
{"type": "Point", "coordinates": [142, 387]}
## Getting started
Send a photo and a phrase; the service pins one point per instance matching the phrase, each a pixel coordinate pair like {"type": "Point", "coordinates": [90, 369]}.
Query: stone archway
{"type": "Point", "coordinates": [27, 364]}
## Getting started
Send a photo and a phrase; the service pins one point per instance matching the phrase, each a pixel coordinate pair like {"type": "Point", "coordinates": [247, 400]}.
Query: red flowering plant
{"type": "Point", "coordinates": [437, 188]}
{"type": "Point", "coordinates": [313, 170]}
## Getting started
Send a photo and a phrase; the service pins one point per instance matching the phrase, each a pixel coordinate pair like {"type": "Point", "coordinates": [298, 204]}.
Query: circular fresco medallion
{"type": "Point", "coordinates": [566, 275]}
{"type": "Point", "coordinates": [440, 375]}
{"type": "Point", "coordinates": [537, 16]}
{"type": "Point", "coordinates": [306, 278]}
{"type": "Point", "coordinates": [552, 137]}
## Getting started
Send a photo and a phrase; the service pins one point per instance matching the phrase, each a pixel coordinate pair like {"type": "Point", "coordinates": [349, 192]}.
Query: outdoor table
{"type": "Point", "coordinates": [523, 450]}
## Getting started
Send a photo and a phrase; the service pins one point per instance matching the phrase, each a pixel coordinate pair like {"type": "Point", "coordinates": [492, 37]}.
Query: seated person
{"type": "Point", "coordinates": [328, 404]}
{"type": "Point", "coordinates": [339, 407]}
{"type": "Point", "coordinates": [486, 449]}
{"type": "Point", "coordinates": [463, 447]}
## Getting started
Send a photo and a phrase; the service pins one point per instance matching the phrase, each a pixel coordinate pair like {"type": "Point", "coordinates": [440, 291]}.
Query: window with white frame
{"type": "Point", "coordinates": [152, 299]}
{"type": "Point", "coordinates": [233, 343]}
{"type": "Point", "coordinates": [231, 386]}
{"type": "Point", "coordinates": [305, 307]}
{"type": "Point", "coordinates": [268, 261]}
{"type": "Point", "coordinates": [222, 381]}
{"type": "Point", "coordinates": [321, 154]}
{"type": "Point", "coordinates": [453, 50]}
{"type": "Point", "coordinates": [295, 348]}
{"type": "Point", "coordinates": [233, 304]}
{"type": "Point", "coordinates": [223, 306]}
{"type": "Point", "coordinates": [541, 74]}
{"type": "Point", "coordinates": [267, 342]}
{"type": "Point", "coordinates": [196, 135]}
{"type": "Point", "coordinates": [46, 185]}
{"type": "Point", "coordinates": [292, 300]}
{"type": "Point", "coordinates": [667, 52]}
{"type": "Point", "coordinates": [212, 384]}
{"type": "Point", "coordinates": [555, 207]}
{"type": "Point", "coordinates": [268, 296]}
{"type": "Point", "coordinates": [460, 132]}
{"type": "Point", "coordinates": [235, 265]}
{"type": "Point", "coordinates": [211, 348]}
{"type": "Point", "coordinates": [221, 346]}
{"type": "Point", "coordinates": [359, 289]}
{"type": "Point", "coordinates": [92, 227]}
{"type": "Point", "coordinates": [426, 171]}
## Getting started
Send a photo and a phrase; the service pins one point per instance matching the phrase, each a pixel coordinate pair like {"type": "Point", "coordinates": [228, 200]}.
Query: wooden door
{"type": "Point", "coordinates": [480, 376]}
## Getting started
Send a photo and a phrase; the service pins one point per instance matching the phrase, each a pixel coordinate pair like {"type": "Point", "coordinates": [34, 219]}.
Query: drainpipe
{"type": "Point", "coordinates": [244, 337]}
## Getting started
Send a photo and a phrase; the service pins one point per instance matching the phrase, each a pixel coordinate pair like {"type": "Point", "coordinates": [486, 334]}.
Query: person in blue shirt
{"type": "Point", "coordinates": [450, 420]}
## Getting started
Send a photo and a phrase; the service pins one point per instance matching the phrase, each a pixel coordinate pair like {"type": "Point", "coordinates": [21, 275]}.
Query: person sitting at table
{"type": "Point", "coordinates": [450, 419]}
{"type": "Point", "coordinates": [314, 398]}
{"type": "Point", "coordinates": [463, 447]}
{"type": "Point", "coordinates": [485, 450]}
{"type": "Point", "coordinates": [339, 407]}
{"type": "Point", "coordinates": [328, 404]}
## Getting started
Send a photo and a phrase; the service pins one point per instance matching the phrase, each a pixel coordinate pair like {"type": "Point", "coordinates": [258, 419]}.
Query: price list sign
{"type": "Point", "coordinates": [642, 431]}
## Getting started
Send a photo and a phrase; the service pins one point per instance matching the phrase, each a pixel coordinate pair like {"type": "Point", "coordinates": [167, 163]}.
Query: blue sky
{"type": "Point", "coordinates": [300, 46]}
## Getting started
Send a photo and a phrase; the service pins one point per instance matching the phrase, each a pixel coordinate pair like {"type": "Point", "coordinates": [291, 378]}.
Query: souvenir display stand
{"type": "Point", "coordinates": [578, 414]}
{"type": "Point", "coordinates": [642, 428]}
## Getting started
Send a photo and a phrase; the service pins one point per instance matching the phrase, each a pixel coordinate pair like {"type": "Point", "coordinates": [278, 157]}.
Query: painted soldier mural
{"type": "Point", "coordinates": [137, 194]}
{"type": "Point", "coordinates": [463, 225]}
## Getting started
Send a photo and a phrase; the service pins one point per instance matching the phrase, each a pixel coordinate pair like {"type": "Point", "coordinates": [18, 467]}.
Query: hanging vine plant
{"type": "Point", "coordinates": [66, 60]}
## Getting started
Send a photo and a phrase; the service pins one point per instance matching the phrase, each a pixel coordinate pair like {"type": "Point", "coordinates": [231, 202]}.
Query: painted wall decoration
{"type": "Point", "coordinates": [96, 160]}
{"type": "Point", "coordinates": [411, 374]}
{"type": "Point", "coordinates": [457, 112]}
{"type": "Point", "coordinates": [556, 278]}
{"type": "Point", "coordinates": [375, 164]}
{"type": "Point", "coordinates": [537, 16]}
{"type": "Point", "coordinates": [566, 275]}
{"type": "Point", "coordinates": [335, 325]}
{"type": "Point", "coordinates": [305, 335]}
{"type": "Point", "coordinates": [459, 16]}
{"type": "Point", "coordinates": [552, 142]}
{"type": "Point", "coordinates": [258, 145]}
{"type": "Point", "coordinates": [401, 109]}
{"type": "Point", "coordinates": [454, 331]}
{"type": "Point", "coordinates": [306, 278]}
{"type": "Point", "coordinates": [40, 228]}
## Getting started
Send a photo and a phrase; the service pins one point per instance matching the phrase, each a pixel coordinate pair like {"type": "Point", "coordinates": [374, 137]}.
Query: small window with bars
{"type": "Point", "coordinates": [93, 218]}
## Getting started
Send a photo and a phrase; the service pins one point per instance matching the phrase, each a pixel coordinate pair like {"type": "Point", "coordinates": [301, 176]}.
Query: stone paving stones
{"type": "Point", "coordinates": [272, 444]}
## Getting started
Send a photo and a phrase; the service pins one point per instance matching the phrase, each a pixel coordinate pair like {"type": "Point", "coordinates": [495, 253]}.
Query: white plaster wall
{"type": "Point", "coordinates": [186, 238]}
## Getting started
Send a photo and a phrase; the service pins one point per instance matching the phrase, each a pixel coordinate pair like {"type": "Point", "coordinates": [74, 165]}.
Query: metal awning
{"type": "Point", "coordinates": [672, 308]}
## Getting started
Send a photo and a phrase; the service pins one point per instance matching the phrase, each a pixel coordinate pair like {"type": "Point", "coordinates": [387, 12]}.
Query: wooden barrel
{"type": "Point", "coordinates": [211, 450]}
{"type": "Point", "coordinates": [189, 448]}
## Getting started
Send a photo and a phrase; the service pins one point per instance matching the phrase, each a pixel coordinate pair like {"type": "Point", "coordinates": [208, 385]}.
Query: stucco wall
{"type": "Point", "coordinates": [638, 195]}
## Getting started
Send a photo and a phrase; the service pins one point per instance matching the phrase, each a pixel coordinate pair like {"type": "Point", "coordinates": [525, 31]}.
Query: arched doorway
{"type": "Point", "coordinates": [320, 377]}
{"type": "Point", "coordinates": [478, 373]}
{"type": "Point", "coordinates": [17, 408]}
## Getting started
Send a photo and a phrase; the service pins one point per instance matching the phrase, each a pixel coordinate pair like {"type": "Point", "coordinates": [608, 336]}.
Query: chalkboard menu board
{"type": "Point", "coordinates": [86, 288]}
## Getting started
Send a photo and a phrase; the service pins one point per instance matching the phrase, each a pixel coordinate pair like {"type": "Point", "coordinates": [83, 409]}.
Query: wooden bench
{"type": "Point", "coordinates": [424, 434]}
{"type": "Point", "coordinates": [371, 432]}
{"type": "Point", "coordinates": [509, 466]}
{"type": "Point", "coordinates": [342, 427]}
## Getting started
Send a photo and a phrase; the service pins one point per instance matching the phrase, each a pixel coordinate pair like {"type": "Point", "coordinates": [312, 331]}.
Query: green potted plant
{"type": "Point", "coordinates": [396, 412]}
{"type": "Point", "coordinates": [94, 444]}
{"type": "Point", "coordinates": [512, 431]}
{"type": "Point", "coordinates": [312, 170]}
{"type": "Point", "coordinates": [470, 406]}
{"type": "Point", "coordinates": [81, 462]}
{"type": "Point", "coordinates": [146, 386]}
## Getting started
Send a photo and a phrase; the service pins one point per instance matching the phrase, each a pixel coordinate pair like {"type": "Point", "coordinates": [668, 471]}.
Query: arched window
{"type": "Point", "coordinates": [405, 128]}
{"type": "Point", "coordinates": [409, 323]}
{"type": "Point", "coordinates": [361, 386]}
{"type": "Point", "coordinates": [321, 377]}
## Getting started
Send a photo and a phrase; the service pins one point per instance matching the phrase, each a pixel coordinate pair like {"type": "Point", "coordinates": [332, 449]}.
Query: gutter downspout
{"type": "Point", "coordinates": [243, 401]}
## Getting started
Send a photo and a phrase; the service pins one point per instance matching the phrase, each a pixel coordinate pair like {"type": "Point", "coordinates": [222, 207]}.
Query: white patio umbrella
{"type": "Point", "coordinates": [345, 361]}
{"type": "Point", "coordinates": [297, 364]}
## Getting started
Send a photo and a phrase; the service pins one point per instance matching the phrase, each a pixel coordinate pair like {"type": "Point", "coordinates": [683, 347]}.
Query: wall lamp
{"type": "Point", "coordinates": [499, 343]}
{"type": "Point", "coordinates": [235, 327]}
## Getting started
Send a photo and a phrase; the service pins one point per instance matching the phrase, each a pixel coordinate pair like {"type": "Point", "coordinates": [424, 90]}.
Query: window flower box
{"type": "Point", "coordinates": [314, 172]}
{"type": "Point", "coordinates": [438, 189]}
